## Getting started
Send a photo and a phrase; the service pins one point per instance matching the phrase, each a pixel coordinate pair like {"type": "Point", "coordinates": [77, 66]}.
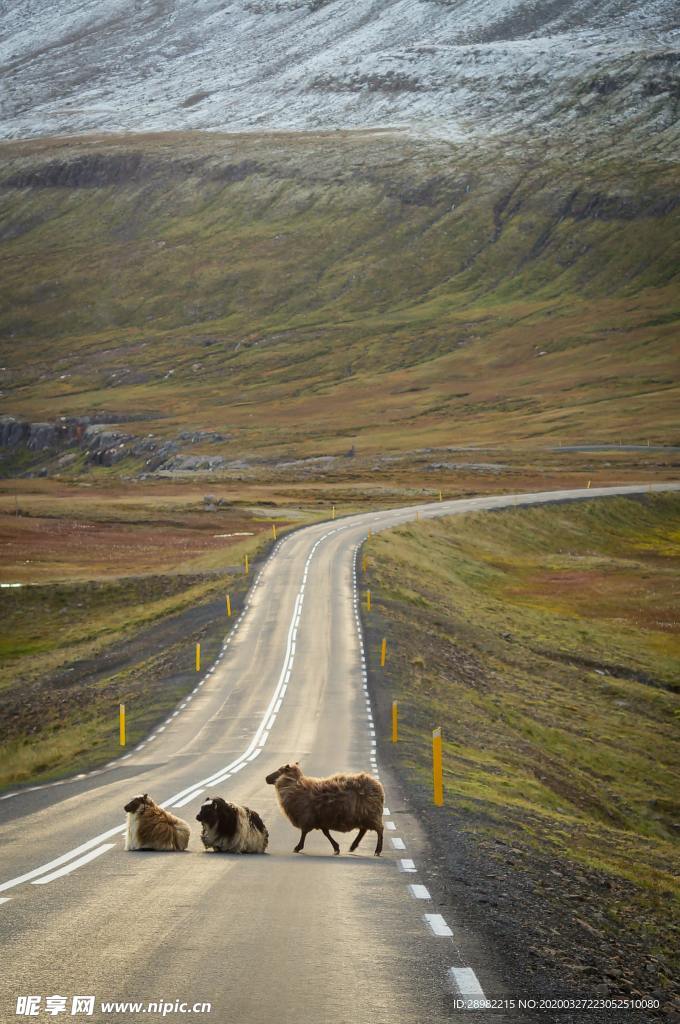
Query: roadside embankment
{"type": "Point", "coordinates": [544, 642]}
{"type": "Point", "coordinates": [73, 648]}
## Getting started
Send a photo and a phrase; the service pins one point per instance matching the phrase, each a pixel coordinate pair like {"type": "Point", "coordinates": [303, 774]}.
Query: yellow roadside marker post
{"type": "Point", "coordinates": [121, 724]}
{"type": "Point", "coordinates": [333, 515]}
{"type": "Point", "coordinates": [368, 600]}
{"type": "Point", "coordinates": [440, 496]}
{"type": "Point", "coordinates": [228, 606]}
{"type": "Point", "coordinates": [274, 530]}
{"type": "Point", "coordinates": [589, 485]}
{"type": "Point", "coordinates": [198, 657]}
{"type": "Point", "coordinates": [247, 566]}
{"type": "Point", "coordinates": [383, 653]}
{"type": "Point", "coordinates": [437, 770]}
{"type": "Point", "coordinates": [395, 721]}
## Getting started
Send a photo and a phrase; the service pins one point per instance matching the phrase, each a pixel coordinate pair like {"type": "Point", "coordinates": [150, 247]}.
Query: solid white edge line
{"type": "Point", "coordinates": [68, 868]}
{"type": "Point", "coordinates": [237, 765]}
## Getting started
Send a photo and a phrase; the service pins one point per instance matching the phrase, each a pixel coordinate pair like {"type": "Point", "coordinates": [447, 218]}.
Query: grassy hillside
{"type": "Point", "coordinates": [302, 294]}
{"type": "Point", "coordinates": [122, 584]}
{"type": "Point", "coordinates": [545, 642]}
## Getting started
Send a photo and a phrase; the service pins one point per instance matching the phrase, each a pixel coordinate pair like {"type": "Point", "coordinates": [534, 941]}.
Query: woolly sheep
{"type": "Point", "coordinates": [150, 827]}
{"type": "Point", "coordinates": [340, 802]}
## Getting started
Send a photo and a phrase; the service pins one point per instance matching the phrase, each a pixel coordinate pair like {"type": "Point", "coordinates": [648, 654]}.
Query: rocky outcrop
{"type": "Point", "coordinates": [36, 437]}
{"type": "Point", "coordinates": [92, 171]}
{"type": "Point", "coordinates": [65, 432]}
{"type": "Point", "coordinates": [13, 432]}
{"type": "Point", "coordinates": [193, 463]}
{"type": "Point", "coordinates": [104, 446]}
{"type": "Point", "coordinates": [41, 436]}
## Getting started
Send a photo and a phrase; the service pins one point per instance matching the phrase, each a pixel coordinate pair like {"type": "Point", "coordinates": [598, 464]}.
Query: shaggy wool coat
{"type": "Point", "coordinates": [150, 827]}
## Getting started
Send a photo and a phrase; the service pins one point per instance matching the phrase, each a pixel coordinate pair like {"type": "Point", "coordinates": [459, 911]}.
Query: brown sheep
{"type": "Point", "coordinates": [149, 827]}
{"type": "Point", "coordinates": [340, 802]}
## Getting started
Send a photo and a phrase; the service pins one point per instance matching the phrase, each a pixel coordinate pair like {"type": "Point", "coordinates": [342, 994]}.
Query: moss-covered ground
{"type": "Point", "coordinates": [546, 644]}
{"type": "Point", "coordinates": [304, 294]}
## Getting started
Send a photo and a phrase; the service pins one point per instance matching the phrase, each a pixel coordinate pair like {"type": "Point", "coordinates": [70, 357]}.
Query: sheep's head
{"type": "Point", "coordinates": [136, 803]}
{"type": "Point", "coordinates": [217, 813]}
{"type": "Point", "coordinates": [288, 771]}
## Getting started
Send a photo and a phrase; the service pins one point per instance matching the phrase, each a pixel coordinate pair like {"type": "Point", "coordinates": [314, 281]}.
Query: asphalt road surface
{"type": "Point", "coordinates": [272, 939]}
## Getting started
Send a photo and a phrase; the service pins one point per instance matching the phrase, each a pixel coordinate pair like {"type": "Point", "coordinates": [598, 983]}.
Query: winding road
{"type": "Point", "coordinates": [264, 940]}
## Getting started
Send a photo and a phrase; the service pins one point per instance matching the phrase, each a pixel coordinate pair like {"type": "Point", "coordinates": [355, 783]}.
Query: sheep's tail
{"type": "Point", "coordinates": [257, 822]}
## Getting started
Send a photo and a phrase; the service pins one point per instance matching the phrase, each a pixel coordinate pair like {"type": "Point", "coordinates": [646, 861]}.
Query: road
{"type": "Point", "coordinates": [278, 939]}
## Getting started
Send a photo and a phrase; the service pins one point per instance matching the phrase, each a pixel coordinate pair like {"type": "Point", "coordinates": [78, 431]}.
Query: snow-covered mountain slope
{"type": "Point", "coordinates": [455, 68]}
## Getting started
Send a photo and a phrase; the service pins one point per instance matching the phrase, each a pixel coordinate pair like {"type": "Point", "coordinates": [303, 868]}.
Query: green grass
{"type": "Point", "coordinates": [60, 699]}
{"type": "Point", "coordinates": [47, 626]}
{"type": "Point", "coordinates": [59, 693]}
{"type": "Point", "coordinates": [546, 644]}
{"type": "Point", "coordinates": [296, 307]}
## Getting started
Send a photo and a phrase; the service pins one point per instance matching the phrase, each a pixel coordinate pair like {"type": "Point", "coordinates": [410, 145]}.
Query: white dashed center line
{"type": "Point", "coordinates": [438, 925]}
{"type": "Point", "coordinates": [463, 981]}
{"type": "Point", "coordinates": [406, 865]}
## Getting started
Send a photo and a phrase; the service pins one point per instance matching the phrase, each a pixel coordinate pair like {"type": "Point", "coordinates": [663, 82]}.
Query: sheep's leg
{"type": "Point", "coordinates": [378, 848]}
{"type": "Point", "coordinates": [301, 845]}
{"type": "Point", "coordinates": [329, 837]}
{"type": "Point", "coordinates": [362, 833]}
